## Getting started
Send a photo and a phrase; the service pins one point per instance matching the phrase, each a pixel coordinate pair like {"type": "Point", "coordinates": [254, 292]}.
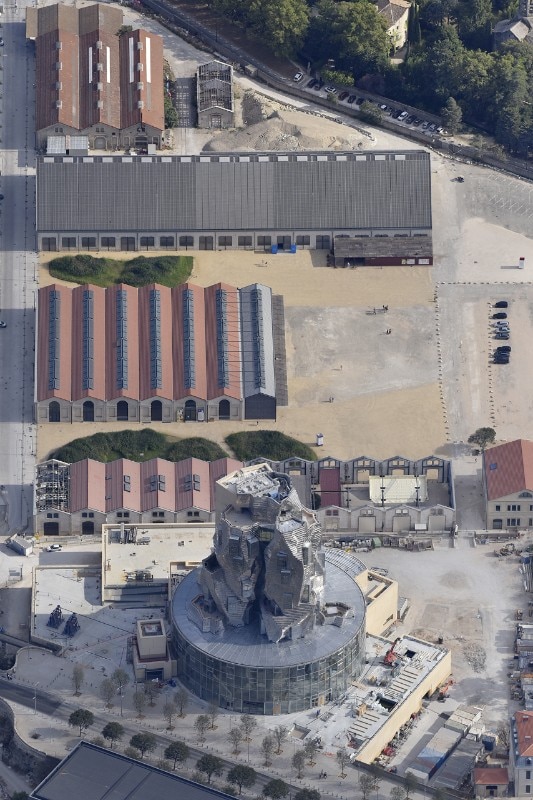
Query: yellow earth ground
{"type": "Point", "coordinates": [386, 395]}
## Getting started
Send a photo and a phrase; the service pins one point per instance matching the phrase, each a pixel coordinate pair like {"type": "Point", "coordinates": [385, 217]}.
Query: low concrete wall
{"type": "Point", "coordinates": [21, 756]}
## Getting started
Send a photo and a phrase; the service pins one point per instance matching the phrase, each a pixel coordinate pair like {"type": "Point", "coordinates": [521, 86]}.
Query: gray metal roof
{"type": "Point", "coordinates": [247, 647]}
{"type": "Point", "coordinates": [257, 340]}
{"type": "Point", "coordinates": [272, 191]}
{"type": "Point", "coordinates": [91, 773]}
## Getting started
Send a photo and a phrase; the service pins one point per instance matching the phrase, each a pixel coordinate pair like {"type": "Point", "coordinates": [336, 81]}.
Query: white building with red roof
{"type": "Point", "coordinates": [521, 753]}
{"type": "Point", "coordinates": [508, 485]}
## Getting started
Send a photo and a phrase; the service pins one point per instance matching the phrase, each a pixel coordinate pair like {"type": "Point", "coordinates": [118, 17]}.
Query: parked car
{"type": "Point", "coordinates": [312, 83]}
{"type": "Point", "coordinates": [3, 324]}
{"type": "Point", "coordinates": [351, 99]}
{"type": "Point", "coordinates": [330, 90]}
{"type": "Point", "coordinates": [504, 348]}
{"type": "Point", "coordinates": [504, 335]}
{"type": "Point", "coordinates": [502, 359]}
{"type": "Point", "coordinates": [501, 304]}
{"type": "Point", "coordinates": [53, 548]}
{"type": "Point", "coordinates": [298, 77]}
{"type": "Point", "coordinates": [417, 122]}
{"type": "Point", "coordinates": [410, 119]}
{"type": "Point", "coordinates": [318, 86]}
{"type": "Point", "coordinates": [499, 315]}
{"type": "Point", "coordinates": [343, 96]}
{"type": "Point", "coordinates": [360, 101]}
{"type": "Point", "coordinates": [425, 126]}
{"type": "Point", "coordinates": [402, 116]}
{"type": "Point", "coordinates": [382, 107]}
{"type": "Point", "coordinates": [432, 128]}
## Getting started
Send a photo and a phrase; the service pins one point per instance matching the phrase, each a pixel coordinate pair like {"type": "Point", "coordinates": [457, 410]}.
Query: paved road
{"type": "Point", "coordinates": [28, 696]}
{"type": "Point", "coordinates": [18, 269]}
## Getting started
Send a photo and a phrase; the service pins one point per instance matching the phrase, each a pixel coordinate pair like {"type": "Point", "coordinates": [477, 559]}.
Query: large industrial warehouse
{"type": "Point", "coordinates": [157, 354]}
{"type": "Point", "coordinates": [272, 202]}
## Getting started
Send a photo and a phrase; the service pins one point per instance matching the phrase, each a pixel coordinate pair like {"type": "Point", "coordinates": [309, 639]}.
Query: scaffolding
{"type": "Point", "coordinates": [52, 486]}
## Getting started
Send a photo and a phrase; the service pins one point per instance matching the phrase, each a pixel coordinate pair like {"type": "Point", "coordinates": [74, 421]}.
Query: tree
{"type": "Point", "coordinates": [210, 765]}
{"type": "Point", "coordinates": [342, 759]}
{"type": "Point", "coordinates": [139, 702]}
{"type": "Point", "coordinates": [354, 32]}
{"type": "Point", "coordinates": [144, 743]}
{"type": "Point", "coordinates": [121, 679]}
{"type": "Point", "coordinates": [107, 691]}
{"type": "Point", "coordinates": [276, 789]}
{"type": "Point", "coordinates": [82, 719]}
{"type": "Point", "coordinates": [397, 793]}
{"type": "Point", "coordinates": [113, 732]}
{"type": "Point", "coordinates": [241, 775]}
{"type": "Point", "coordinates": [367, 784]}
{"type": "Point", "coordinates": [310, 750]}
{"type": "Point", "coordinates": [410, 783]}
{"type": "Point", "coordinates": [248, 725]}
{"type": "Point", "coordinates": [177, 752]}
{"type": "Point", "coordinates": [213, 713]}
{"type": "Point", "coordinates": [78, 674]}
{"type": "Point", "coordinates": [131, 752]}
{"type": "Point", "coordinates": [182, 700]}
{"type": "Point", "coordinates": [282, 23]}
{"type": "Point", "coordinates": [171, 115]}
{"type": "Point", "coordinates": [307, 794]}
{"type": "Point", "coordinates": [201, 724]}
{"type": "Point", "coordinates": [235, 736]}
{"type": "Point", "coordinates": [371, 113]}
{"type": "Point", "coordinates": [482, 437]}
{"type": "Point", "coordinates": [267, 748]}
{"type": "Point", "coordinates": [151, 691]}
{"type": "Point", "coordinates": [169, 712]}
{"type": "Point", "coordinates": [298, 762]}
{"type": "Point", "coordinates": [280, 734]}
{"type": "Point", "coordinates": [451, 115]}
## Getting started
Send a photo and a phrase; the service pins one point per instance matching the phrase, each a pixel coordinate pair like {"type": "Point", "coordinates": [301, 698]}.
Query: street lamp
{"type": "Point", "coordinates": [35, 698]}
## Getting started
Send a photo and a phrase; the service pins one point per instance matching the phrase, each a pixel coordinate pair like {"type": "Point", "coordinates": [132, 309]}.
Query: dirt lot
{"type": "Point", "coordinates": [469, 597]}
{"type": "Point", "coordinates": [336, 348]}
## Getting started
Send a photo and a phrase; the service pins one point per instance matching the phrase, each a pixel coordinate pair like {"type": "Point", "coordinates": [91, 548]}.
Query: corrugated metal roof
{"type": "Point", "coordinates": [508, 468]}
{"type": "Point", "coordinates": [319, 191]}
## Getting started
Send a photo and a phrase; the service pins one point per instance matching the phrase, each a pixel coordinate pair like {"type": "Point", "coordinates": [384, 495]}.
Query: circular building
{"type": "Point", "coordinates": [270, 623]}
{"type": "Point", "coordinates": [240, 669]}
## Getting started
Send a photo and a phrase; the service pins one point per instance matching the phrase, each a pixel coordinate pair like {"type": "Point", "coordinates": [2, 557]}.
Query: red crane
{"type": "Point", "coordinates": [390, 655]}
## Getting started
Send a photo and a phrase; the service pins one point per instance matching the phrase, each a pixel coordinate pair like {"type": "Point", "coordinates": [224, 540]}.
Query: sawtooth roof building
{"type": "Point", "coordinates": [274, 202]}
{"type": "Point", "coordinates": [95, 78]}
{"type": "Point", "coordinates": [79, 498]}
{"type": "Point", "coordinates": [157, 354]}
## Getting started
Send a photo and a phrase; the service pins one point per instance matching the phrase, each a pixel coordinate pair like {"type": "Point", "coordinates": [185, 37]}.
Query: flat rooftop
{"type": "Point", "coordinates": [124, 561]}
{"type": "Point", "coordinates": [381, 689]}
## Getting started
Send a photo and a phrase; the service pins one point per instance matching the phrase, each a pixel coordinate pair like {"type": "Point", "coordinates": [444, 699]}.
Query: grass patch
{"type": "Point", "coordinates": [140, 271]}
{"type": "Point", "coordinates": [137, 446]}
{"type": "Point", "coordinates": [274, 445]}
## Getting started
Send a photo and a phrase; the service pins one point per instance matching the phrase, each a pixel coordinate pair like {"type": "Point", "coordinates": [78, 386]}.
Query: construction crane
{"type": "Point", "coordinates": [390, 656]}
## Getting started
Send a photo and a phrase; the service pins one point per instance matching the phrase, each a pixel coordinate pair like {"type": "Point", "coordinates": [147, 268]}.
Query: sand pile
{"type": "Point", "coordinates": [270, 126]}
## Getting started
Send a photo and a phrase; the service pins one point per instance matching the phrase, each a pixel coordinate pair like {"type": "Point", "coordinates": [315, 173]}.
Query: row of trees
{"type": "Point", "coordinates": [450, 67]}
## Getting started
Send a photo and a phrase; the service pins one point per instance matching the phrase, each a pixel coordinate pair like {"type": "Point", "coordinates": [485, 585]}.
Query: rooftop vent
{"type": "Point", "coordinates": [99, 45]}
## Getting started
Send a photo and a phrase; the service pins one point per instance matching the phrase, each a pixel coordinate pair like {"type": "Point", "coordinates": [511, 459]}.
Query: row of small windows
{"type": "Point", "coordinates": [204, 242]}
{"type": "Point", "coordinates": [513, 507]}
{"type": "Point", "coordinates": [511, 522]}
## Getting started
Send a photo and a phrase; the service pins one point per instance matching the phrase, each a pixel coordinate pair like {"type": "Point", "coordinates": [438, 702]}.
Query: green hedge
{"type": "Point", "coordinates": [137, 446]}
{"type": "Point", "coordinates": [267, 444]}
{"type": "Point", "coordinates": [140, 271]}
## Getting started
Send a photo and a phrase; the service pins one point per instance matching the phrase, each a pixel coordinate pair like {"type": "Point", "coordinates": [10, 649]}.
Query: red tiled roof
{"type": "Point", "coordinates": [524, 729]}
{"type": "Point", "coordinates": [508, 468]}
{"type": "Point", "coordinates": [97, 346]}
{"type": "Point", "coordinates": [125, 484]}
{"type": "Point", "coordinates": [141, 76]}
{"type": "Point", "coordinates": [491, 776]}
